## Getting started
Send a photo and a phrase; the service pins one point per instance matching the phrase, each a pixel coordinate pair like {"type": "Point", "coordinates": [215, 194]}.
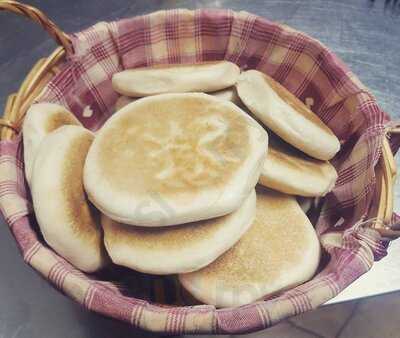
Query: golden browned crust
{"type": "Point", "coordinates": [289, 170]}
{"type": "Point", "coordinates": [179, 144]}
{"type": "Point", "coordinates": [161, 238]}
{"type": "Point", "coordinates": [295, 103]}
{"type": "Point", "coordinates": [295, 159]}
{"type": "Point", "coordinates": [274, 242]}
{"type": "Point", "coordinates": [83, 217]}
{"type": "Point", "coordinates": [59, 119]}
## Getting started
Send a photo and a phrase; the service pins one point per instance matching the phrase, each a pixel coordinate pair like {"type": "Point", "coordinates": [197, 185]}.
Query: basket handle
{"type": "Point", "coordinates": [38, 16]}
{"type": "Point", "coordinates": [385, 208]}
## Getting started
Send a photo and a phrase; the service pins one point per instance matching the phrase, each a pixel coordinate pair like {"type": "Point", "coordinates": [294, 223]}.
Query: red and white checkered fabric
{"type": "Point", "coordinates": [301, 64]}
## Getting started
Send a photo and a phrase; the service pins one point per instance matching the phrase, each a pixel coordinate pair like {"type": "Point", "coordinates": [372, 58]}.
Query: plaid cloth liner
{"type": "Point", "coordinates": [301, 64]}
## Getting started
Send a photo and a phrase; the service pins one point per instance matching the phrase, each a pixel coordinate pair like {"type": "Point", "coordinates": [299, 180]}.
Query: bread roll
{"type": "Point", "coordinates": [228, 94]}
{"type": "Point", "coordinates": [41, 119]}
{"type": "Point", "coordinates": [176, 78]}
{"type": "Point", "coordinates": [174, 158]}
{"type": "Point", "coordinates": [290, 171]}
{"type": "Point", "coordinates": [68, 222]}
{"type": "Point", "coordinates": [279, 251]}
{"type": "Point", "coordinates": [176, 249]}
{"type": "Point", "coordinates": [286, 115]}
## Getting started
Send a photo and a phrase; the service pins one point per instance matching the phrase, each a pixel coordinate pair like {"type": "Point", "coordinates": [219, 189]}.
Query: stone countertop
{"type": "Point", "coordinates": [364, 33]}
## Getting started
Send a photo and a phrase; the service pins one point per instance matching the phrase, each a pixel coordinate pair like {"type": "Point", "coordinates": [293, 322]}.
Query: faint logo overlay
{"type": "Point", "coordinates": [155, 208]}
{"type": "Point", "coordinates": [223, 292]}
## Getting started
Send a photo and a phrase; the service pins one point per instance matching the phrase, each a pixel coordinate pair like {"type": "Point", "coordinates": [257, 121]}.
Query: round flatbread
{"type": "Point", "coordinates": [174, 158]}
{"type": "Point", "coordinates": [176, 78]}
{"type": "Point", "coordinates": [228, 94]}
{"type": "Point", "coordinates": [288, 170]}
{"type": "Point", "coordinates": [286, 115]}
{"type": "Point", "coordinates": [69, 224]}
{"type": "Point", "coordinates": [41, 119]}
{"type": "Point", "coordinates": [279, 251]}
{"type": "Point", "coordinates": [176, 249]}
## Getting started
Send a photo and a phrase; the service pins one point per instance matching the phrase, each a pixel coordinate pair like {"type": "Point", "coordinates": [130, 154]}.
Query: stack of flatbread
{"type": "Point", "coordinates": [168, 185]}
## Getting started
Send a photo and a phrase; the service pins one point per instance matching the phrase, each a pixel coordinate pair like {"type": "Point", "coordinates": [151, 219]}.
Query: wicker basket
{"type": "Point", "coordinates": [46, 68]}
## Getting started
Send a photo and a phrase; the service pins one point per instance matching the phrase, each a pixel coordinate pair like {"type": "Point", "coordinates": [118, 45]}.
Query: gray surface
{"type": "Point", "coordinates": [362, 32]}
